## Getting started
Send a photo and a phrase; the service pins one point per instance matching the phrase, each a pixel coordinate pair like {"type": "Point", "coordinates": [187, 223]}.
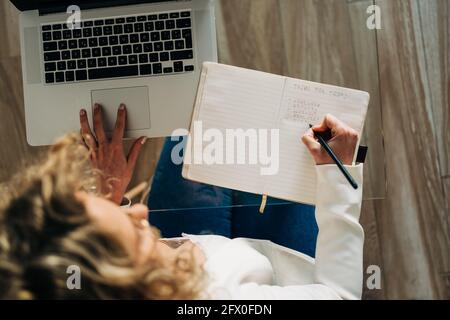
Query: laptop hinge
{"type": "Point", "coordinates": [94, 4]}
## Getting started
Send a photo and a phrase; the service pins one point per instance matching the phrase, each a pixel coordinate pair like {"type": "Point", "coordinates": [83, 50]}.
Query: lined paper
{"type": "Point", "coordinates": [236, 98]}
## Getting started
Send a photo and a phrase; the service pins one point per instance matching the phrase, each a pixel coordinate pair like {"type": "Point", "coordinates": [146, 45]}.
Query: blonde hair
{"type": "Point", "coordinates": [44, 230]}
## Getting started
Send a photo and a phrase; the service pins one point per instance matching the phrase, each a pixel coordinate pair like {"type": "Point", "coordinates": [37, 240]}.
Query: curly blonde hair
{"type": "Point", "coordinates": [44, 230]}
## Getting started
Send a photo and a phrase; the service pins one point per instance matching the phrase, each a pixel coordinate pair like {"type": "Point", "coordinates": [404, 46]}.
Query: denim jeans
{"type": "Point", "coordinates": [196, 208]}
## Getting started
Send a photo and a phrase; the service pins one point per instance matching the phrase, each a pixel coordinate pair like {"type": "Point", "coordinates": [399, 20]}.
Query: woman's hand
{"type": "Point", "coordinates": [343, 141]}
{"type": "Point", "coordinates": [108, 155]}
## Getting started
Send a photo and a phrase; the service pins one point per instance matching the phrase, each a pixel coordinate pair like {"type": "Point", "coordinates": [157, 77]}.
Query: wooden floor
{"type": "Point", "coordinates": [406, 68]}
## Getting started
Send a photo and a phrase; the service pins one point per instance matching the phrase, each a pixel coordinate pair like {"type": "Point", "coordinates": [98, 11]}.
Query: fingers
{"type": "Point", "coordinates": [84, 123]}
{"type": "Point", "coordinates": [119, 129]}
{"type": "Point", "coordinates": [134, 153]}
{"type": "Point", "coordinates": [98, 125]}
{"type": "Point", "coordinates": [138, 212]}
{"type": "Point", "coordinates": [310, 142]}
{"type": "Point", "coordinates": [330, 122]}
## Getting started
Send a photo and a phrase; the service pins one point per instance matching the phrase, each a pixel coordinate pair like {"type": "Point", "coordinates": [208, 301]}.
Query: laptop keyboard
{"type": "Point", "coordinates": [131, 46]}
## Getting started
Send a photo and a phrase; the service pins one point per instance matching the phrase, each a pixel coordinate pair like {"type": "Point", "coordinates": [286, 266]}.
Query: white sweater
{"type": "Point", "coordinates": [259, 269]}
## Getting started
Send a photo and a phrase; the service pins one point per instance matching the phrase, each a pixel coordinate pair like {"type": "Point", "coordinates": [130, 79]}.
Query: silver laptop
{"type": "Point", "coordinates": [144, 53]}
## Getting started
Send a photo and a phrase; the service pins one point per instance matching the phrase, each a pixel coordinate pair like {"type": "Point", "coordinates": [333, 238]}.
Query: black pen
{"type": "Point", "coordinates": [335, 159]}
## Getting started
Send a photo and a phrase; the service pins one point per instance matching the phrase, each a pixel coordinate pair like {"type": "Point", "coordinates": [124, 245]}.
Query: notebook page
{"type": "Point", "coordinates": [235, 98]}
{"type": "Point", "coordinates": [304, 103]}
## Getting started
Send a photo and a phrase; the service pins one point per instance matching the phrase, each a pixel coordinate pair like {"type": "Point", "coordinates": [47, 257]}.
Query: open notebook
{"type": "Point", "coordinates": [235, 98]}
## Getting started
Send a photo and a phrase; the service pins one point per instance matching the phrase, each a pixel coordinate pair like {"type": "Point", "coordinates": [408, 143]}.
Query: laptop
{"type": "Point", "coordinates": [147, 54]}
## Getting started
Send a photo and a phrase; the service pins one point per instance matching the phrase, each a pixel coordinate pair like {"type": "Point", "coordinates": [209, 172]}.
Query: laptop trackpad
{"type": "Point", "coordinates": [138, 107]}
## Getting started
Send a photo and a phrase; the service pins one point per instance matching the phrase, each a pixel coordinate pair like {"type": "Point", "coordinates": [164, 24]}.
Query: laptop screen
{"type": "Point", "coordinates": [61, 5]}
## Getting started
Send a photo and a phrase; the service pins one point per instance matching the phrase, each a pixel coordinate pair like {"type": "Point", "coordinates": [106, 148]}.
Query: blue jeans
{"type": "Point", "coordinates": [197, 208]}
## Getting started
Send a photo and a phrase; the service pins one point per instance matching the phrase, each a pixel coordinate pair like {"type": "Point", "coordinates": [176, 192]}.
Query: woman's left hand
{"type": "Point", "coordinates": [107, 155]}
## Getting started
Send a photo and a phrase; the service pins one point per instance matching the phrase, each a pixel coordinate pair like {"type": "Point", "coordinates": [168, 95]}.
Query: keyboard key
{"type": "Point", "coordinates": [164, 56]}
{"type": "Point", "coordinates": [138, 27]}
{"type": "Point", "coordinates": [145, 69]}
{"type": "Point", "coordinates": [179, 44]}
{"type": "Point", "coordinates": [120, 20]}
{"type": "Point", "coordinates": [153, 57]}
{"type": "Point", "coordinates": [163, 16]}
{"type": "Point", "coordinates": [152, 17]}
{"type": "Point", "coordinates": [71, 65]}
{"type": "Point", "coordinates": [65, 55]}
{"type": "Point", "coordinates": [145, 37]}
{"type": "Point", "coordinates": [159, 25]}
{"type": "Point", "coordinates": [81, 64]}
{"type": "Point", "coordinates": [98, 31]}
{"type": "Point", "coordinates": [134, 38]}
{"type": "Point", "coordinates": [99, 22]}
{"type": "Point", "coordinates": [168, 70]}
{"type": "Point", "coordinates": [128, 28]}
{"type": "Point", "coordinates": [155, 36]}
{"type": "Point", "coordinates": [149, 26]}
{"type": "Point", "coordinates": [174, 15]}
{"type": "Point", "coordinates": [123, 60]}
{"type": "Point", "coordinates": [133, 59]}
{"type": "Point", "coordinates": [57, 27]}
{"type": "Point", "coordinates": [158, 46]}
{"type": "Point", "coordinates": [106, 51]}
{"type": "Point", "coordinates": [137, 48]}
{"type": "Point", "coordinates": [76, 54]}
{"type": "Point", "coordinates": [70, 76]}
{"type": "Point", "coordinates": [93, 42]}
{"type": "Point", "coordinates": [59, 77]}
{"type": "Point", "coordinates": [87, 33]}
{"type": "Point", "coordinates": [57, 35]}
{"type": "Point", "coordinates": [123, 39]}
{"type": "Point", "coordinates": [112, 61]}
{"type": "Point", "coordinates": [50, 46]}
{"type": "Point", "coordinates": [47, 36]}
{"type": "Point", "coordinates": [182, 55]}
{"type": "Point", "coordinates": [113, 40]}
{"type": "Point", "coordinates": [109, 21]}
{"type": "Point", "coordinates": [46, 28]}
{"type": "Point", "coordinates": [52, 56]}
{"type": "Point", "coordinates": [86, 53]}
{"type": "Point", "coordinates": [88, 24]}
{"type": "Point", "coordinates": [187, 33]}
{"type": "Point", "coordinates": [92, 63]}
{"type": "Point", "coordinates": [77, 33]}
{"type": "Point", "coordinates": [82, 43]}
{"type": "Point", "coordinates": [170, 24]}
{"type": "Point", "coordinates": [148, 47]}
{"type": "Point", "coordinates": [178, 66]}
{"type": "Point", "coordinates": [67, 34]}
{"type": "Point", "coordinates": [127, 49]}
{"type": "Point", "coordinates": [131, 19]}
{"type": "Point", "coordinates": [103, 41]}
{"type": "Point", "coordinates": [107, 31]}
{"type": "Point", "coordinates": [157, 68]}
{"type": "Point", "coordinates": [176, 34]}
{"type": "Point", "coordinates": [117, 50]}
{"type": "Point", "coordinates": [50, 66]}
{"type": "Point", "coordinates": [73, 44]}
{"type": "Point", "coordinates": [115, 72]}
{"type": "Point", "coordinates": [101, 62]}
{"type": "Point", "coordinates": [143, 58]}
{"type": "Point", "coordinates": [188, 43]}
{"type": "Point", "coordinates": [183, 23]}
{"type": "Point", "coordinates": [118, 29]}
{"type": "Point", "coordinates": [165, 35]}
{"type": "Point", "coordinates": [168, 45]}
{"type": "Point", "coordinates": [49, 77]}
{"type": "Point", "coordinates": [142, 18]}
{"type": "Point", "coordinates": [186, 14]}
{"type": "Point", "coordinates": [96, 52]}
{"type": "Point", "coordinates": [62, 66]}
{"type": "Point", "coordinates": [81, 75]}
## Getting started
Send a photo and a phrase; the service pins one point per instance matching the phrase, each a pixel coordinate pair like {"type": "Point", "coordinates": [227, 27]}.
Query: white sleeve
{"type": "Point", "coordinates": [339, 251]}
